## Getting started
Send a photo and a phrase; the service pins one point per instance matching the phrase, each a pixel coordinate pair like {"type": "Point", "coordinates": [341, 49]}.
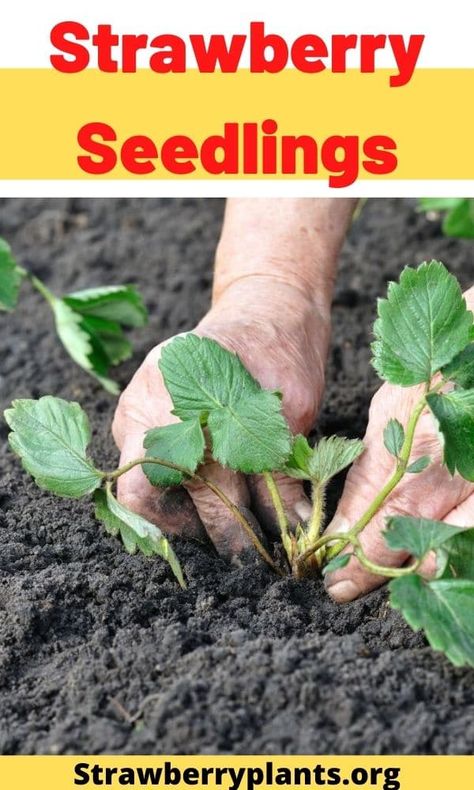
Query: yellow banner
{"type": "Point", "coordinates": [237, 773]}
{"type": "Point", "coordinates": [429, 119]}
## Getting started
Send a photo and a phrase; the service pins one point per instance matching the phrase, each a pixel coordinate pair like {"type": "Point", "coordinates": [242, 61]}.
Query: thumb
{"type": "Point", "coordinates": [363, 483]}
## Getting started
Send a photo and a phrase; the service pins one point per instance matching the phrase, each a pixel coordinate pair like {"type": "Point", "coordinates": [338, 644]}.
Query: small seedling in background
{"type": "Point", "coordinates": [424, 335]}
{"type": "Point", "coordinates": [89, 323]}
{"type": "Point", "coordinates": [457, 213]}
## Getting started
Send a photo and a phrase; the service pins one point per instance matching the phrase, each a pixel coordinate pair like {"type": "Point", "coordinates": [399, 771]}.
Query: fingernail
{"type": "Point", "coordinates": [343, 591]}
{"type": "Point", "coordinates": [303, 509]}
{"type": "Point", "coordinates": [339, 524]}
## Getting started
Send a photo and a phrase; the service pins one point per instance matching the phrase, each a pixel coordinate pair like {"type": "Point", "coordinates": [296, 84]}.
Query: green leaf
{"type": "Point", "coordinates": [421, 326]}
{"type": "Point", "coordinates": [444, 609]}
{"type": "Point", "coordinates": [251, 436]}
{"type": "Point", "coordinates": [458, 555]}
{"type": "Point", "coordinates": [331, 455]}
{"type": "Point", "coordinates": [51, 436]}
{"type": "Point", "coordinates": [461, 368]}
{"type": "Point", "coordinates": [336, 563]}
{"type": "Point", "coordinates": [459, 215]}
{"type": "Point", "coordinates": [439, 204]}
{"type": "Point", "coordinates": [80, 344]}
{"type": "Point", "coordinates": [10, 277]}
{"type": "Point", "coordinates": [297, 463]}
{"type": "Point", "coordinates": [454, 412]}
{"type": "Point", "coordinates": [136, 532]}
{"type": "Point", "coordinates": [393, 437]}
{"type": "Point", "coordinates": [200, 375]}
{"type": "Point", "coordinates": [459, 221]}
{"type": "Point", "coordinates": [418, 536]}
{"type": "Point", "coordinates": [205, 381]}
{"type": "Point", "coordinates": [89, 325]}
{"type": "Point", "coordinates": [181, 443]}
{"type": "Point", "coordinates": [419, 465]}
{"type": "Point", "coordinates": [454, 546]}
{"type": "Point", "coordinates": [120, 303]}
{"type": "Point", "coordinates": [109, 338]}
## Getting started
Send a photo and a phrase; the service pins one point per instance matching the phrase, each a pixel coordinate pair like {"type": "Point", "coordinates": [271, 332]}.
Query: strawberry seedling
{"type": "Point", "coordinates": [457, 213]}
{"type": "Point", "coordinates": [88, 323]}
{"type": "Point", "coordinates": [424, 336]}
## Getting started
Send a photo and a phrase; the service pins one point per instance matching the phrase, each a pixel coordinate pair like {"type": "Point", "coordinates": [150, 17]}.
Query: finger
{"type": "Point", "coordinates": [171, 509]}
{"type": "Point", "coordinates": [296, 503]}
{"type": "Point", "coordinates": [224, 530]}
{"type": "Point", "coordinates": [428, 567]}
{"type": "Point", "coordinates": [463, 514]}
{"type": "Point", "coordinates": [430, 495]}
{"type": "Point", "coordinates": [460, 516]}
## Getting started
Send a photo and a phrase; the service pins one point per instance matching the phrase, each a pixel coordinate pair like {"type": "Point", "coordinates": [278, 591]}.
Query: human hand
{"type": "Point", "coordinates": [281, 337]}
{"type": "Point", "coordinates": [432, 494]}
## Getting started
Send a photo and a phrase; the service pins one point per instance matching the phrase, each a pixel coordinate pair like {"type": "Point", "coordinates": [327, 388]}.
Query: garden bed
{"type": "Point", "coordinates": [240, 662]}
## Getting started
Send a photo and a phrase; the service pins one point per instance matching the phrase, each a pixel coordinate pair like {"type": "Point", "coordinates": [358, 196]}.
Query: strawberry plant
{"type": "Point", "coordinates": [424, 335]}
{"type": "Point", "coordinates": [458, 215]}
{"type": "Point", "coordinates": [88, 323]}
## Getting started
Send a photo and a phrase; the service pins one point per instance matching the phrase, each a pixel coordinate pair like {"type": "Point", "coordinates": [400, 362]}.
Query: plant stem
{"type": "Point", "coordinates": [317, 514]}
{"type": "Point", "coordinates": [379, 570]}
{"type": "Point", "coordinates": [383, 570]}
{"type": "Point", "coordinates": [282, 519]}
{"type": "Point", "coordinates": [313, 532]}
{"type": "Point", "coordinates": [333, 551]}
{"type": "Point", "coordinates": [40, 287]}
{"type": "Point", "coordinates": [341, 537]}
{"type": "Point", "coordinates": [242, 521]}
{"type": "Point", "coordinates": [400, 470]}
{"type": "Point", "coordinates": [139, 462]}
{"type": "Point", "coordinates": [387, 489]}
{"type": "Point", "coordinates": [110, 476]}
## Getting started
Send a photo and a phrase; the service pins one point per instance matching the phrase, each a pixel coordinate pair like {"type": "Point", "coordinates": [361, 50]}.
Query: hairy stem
{"type": "Point", "coordinates": [312, 533]}
{"type": "Point", "coordinates": [341, 538]}
{"type": "Point", "coordinates": [110, 476]}
{"type": "Point", "coordinates": [282, 519]}
{"type": "Point", "coordinates": [347, 538]}
{"type": "Point", "coordinates": [317, 514]}
{"type": "Point", "coordinates": [384, 493]}
{"type": "Point", "coordinates": [400, 470]}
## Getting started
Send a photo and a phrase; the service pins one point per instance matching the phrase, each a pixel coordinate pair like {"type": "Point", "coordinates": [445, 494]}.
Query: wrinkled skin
{"type": "Point", "coordinates": [288, 355]}
{"type": "Point", "coordinates": [271, 304]}
{"type": "Point", "coordinates": [431, 494]}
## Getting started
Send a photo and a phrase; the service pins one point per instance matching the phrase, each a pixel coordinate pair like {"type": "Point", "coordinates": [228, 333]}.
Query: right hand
{"type": "Point", "coordinates": [282, 339]}
{"type": "Point", "coordinates": [431, 494]}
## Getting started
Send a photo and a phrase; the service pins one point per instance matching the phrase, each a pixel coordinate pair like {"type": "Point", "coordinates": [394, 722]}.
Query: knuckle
{"type": "Point", "coordinates": [301, 407]}
{"type": "Point", "coordinates": [362, 483]}
{"type": "Point", "coordinates": [379, 397]}
{"type": "Point", "coordinates": [405, 502]}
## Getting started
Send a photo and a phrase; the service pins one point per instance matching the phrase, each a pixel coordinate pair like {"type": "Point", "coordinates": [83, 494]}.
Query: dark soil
{"type": "Point", "coordinates": [241, 662]}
